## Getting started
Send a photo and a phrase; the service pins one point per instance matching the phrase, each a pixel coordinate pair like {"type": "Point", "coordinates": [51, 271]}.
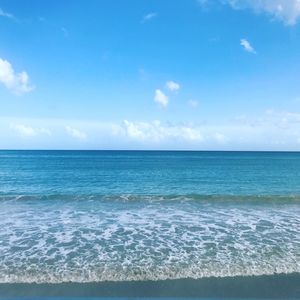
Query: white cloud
{"type": "Point", "coordinates": [157, 132]}
{"type": "Point", "coordinates": [135, 131]}
{"type": "Point", "coordinates": [161, 98]}
{"type": "Point", "coordinates": [6, 14]}
{"type": "Point", "coordinates": [18, 83]}
{"type": "Point", "coordinates": [23, 130]}
{"type": "Point", "coordinates": [149, 17]}
{"type": "Point", "coordinates": [75, 133]}
{"type": "Point", "coordinates": [172, 86]}
{"type": "Point", "coordinates": [270, 130]}
{"type": "Point", "coordinates": [193, 103]}
{"type": "Point", "coordinates": [247, 46]}
{"type": "Point", "coordinates": [287, 11]}
{"type": "Point", "coordinates": [28, 131]}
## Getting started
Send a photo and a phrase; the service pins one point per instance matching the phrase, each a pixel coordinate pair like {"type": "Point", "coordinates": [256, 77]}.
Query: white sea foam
{"type": "Point", "coordinates": [153, 238]}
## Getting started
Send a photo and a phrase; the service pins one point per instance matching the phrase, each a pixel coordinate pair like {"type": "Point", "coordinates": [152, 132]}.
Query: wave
{"type": "Point", "coordinates": [154, 197]}
{"type": "Point", "coordinates": [146, 238]}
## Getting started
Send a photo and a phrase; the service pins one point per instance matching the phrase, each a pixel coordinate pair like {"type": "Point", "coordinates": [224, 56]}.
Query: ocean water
{"type": "Point", "coordinates": [150, 223]}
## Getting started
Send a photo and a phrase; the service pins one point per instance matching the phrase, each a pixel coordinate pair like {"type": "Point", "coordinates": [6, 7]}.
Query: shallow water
{"type": "Point", "coordinates": [252, 287]}
{"type": "Point", "coordinates": [146, 238]}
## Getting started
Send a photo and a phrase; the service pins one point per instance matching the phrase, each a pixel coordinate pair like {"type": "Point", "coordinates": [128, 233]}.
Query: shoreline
{"type": "Point", "coordinates": [266, 286]}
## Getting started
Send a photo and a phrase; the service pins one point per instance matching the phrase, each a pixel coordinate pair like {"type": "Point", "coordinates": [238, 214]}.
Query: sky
{"type": "Point", "coordinates": [150, 74]}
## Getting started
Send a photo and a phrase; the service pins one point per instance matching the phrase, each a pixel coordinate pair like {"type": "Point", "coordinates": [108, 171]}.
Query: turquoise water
{"type": "Point", "coordinates": [148, 173]}
{"type": "Point", "coordinates": [125, 223]}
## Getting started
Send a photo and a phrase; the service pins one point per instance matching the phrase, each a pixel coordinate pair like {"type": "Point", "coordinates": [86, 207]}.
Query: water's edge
{"type": "Point", "coordinates": [273, 286]}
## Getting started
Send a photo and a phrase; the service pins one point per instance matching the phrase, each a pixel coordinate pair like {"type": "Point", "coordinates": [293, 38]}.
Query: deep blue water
{"type": "Point", "coordinates": [138, 216]}
{"type": "Point", "coordinates": [149, 173]}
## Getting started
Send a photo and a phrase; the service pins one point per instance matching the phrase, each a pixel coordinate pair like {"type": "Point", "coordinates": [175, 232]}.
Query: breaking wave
{"type": "Point", "coordinates": [56, 239]}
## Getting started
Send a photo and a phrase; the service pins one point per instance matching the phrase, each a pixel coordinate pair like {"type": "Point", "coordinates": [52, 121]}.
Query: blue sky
{"type": "Point", "coordinates": [138, 74]}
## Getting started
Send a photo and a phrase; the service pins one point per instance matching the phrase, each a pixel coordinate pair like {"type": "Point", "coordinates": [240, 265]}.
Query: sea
{"type": "Point", "coordinates": [149, 224]}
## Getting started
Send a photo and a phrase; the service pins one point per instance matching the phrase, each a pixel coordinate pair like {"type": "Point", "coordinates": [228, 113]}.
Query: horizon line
{"type": "Point", "coordinates": [154, 150]}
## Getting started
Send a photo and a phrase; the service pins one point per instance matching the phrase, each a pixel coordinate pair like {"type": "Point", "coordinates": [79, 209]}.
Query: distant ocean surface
{"type": "Point", "coordinates": [140, 217]}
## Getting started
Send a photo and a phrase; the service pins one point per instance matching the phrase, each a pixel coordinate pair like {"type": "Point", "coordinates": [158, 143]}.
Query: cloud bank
{"type": "Point", "coordinates": [272, 130]}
